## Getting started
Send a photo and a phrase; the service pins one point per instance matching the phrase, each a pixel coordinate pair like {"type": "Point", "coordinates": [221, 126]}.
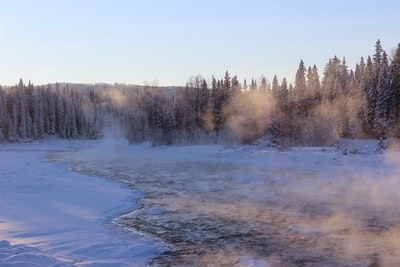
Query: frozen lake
{"type": "Point", "coordinates": [107, 203]}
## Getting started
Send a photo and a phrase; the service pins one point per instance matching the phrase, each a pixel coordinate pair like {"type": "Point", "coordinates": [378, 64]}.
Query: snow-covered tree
{"type": "Point", "coordinates": [227, 81]}
{"type": "Point", "coordinates": [384, 97]}
{"type": "Point", "coordinates": [38, 115]}
{"type": "Point", "coordinates": [300, 80]}
{"type": "Point", "coordinates": [12, 110]}
{"type": "Point", "coordinates": [51, 98]}
{"type": "Point", "coordinates": [395, 90]}
{"type": "Point", "coordinates": [3, 115]}
{"type": "Point", "coordinates": [275, 86]}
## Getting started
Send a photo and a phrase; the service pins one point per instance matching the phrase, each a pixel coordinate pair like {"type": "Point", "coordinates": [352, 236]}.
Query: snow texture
{"type": "Point", "coordinates": [54, 217]}
{"type": "Point", "coordinates": [330, 206]}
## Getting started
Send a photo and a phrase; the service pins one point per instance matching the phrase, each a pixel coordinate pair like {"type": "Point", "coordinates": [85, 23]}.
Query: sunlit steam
{"type": "Point", "coordinates": [331, 207]}
{"type": "Point", "coordinates": [249, 114]}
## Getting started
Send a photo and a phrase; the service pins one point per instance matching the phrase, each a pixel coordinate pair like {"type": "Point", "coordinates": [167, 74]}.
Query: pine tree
{"type": "Point", "coordinates": [254, 84]}
{"type": "Point", "coordinates": [394, 74]}
{"type": "Point", "coordinates": [23, 111]}
{"type": "Point", "coordinates": [300, 96]}
{"type": "Point", "coordinates": [197, 95]}
{"type": "Point", "coordinates": [263, 85]}
{"type": "Point", "coordinates": [284, 90]}
{"type": "Point", "coordinates": [157, 121]}
{"type": "Point", "coordinates": [316, 85]}
{"type": "Point", "coordinates": [12, 110]}
{"type": "Point", "coordinates": [335, 80]}
{"type": "Point", "coordinates": [227, 81]}
{"type": "Point", "coordinates": [217, 105]}
{"type": "Point", "coordinates": [275, 86]}
{"type": "Point", "coordinates": [383, 98]}
{"type": "Point", "coordinates": [51, 99]}
{"type": "Point", "coordinates": [3, 115]}
{"type": "Point", "coordinates": [60, 116]}
{"type": "Point", "coordinates": [300, 81]}
{"type": "Point", "coordinates": [356, 84]}
{"type": "Point", "coordinates": [220, 97]}
{"type": "Point", "coordinates": [235, 85]}
{"type": "Point", "coordinates": [169, 126]}
{"type": "Point", "coordinates": [343, 77]}
{"type": "Point", "coordinates": [377, 61]}
{"type": "Point", "coordinates": [38, 115]}
{"type": "Point", "coordinates": [369, 97]}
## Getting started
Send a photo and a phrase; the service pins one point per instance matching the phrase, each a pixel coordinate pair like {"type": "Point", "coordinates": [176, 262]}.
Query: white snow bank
{"type": "Point", "coordinates": [56, 214]}
{"type": "Point", "coordinates": [20, 255]}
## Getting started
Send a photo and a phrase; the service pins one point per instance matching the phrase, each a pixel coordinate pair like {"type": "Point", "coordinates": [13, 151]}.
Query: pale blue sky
{"type": "Point", "coordinates": [168, 41]}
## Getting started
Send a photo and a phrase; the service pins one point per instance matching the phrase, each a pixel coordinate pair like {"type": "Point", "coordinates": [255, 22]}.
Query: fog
{"type": "Point", "coordinates": [240, 205]}
{"type": "Point", "coordinates": [248, 115]}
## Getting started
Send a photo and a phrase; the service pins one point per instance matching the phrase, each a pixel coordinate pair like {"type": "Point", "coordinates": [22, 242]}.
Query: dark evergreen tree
{"type": "Point", "coordinates": [23, 117]}
{"type": "Point", "coordinates": [300, 81]}
{"type": "Point", "coordinates": [383, 101]}
{"type": "Point", "coordinates": [369, 97]}
{"type": "Point", "coordinates": [3, 115]}
{"type": "Point", "coordinates": [235, 85]}
{"type": "Point", "coordinates": [263, 85]}
{"type": "Point", "coordinates": [395, 90]}
{"type": "Point", "coordinates": [12, 110]}
{"type": "Point", "coordinates": [253, 85]}
{"type": "Point", "coordinates": [169, 127]}
{"type": "Point", "coordinates": [38, 115]}
{"type": "Point", "coordinates": [377, 61]}
{"type": "Point", "coordinates": [217, 102]}
{"type": "Point", "coordinates": [227, 81]}
{"type": "Point", "coordinates": [275, 86]}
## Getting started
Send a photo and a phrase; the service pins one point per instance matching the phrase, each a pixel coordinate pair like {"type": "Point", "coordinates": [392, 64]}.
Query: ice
{"type": "Point", "coordinates": [210, 205]}
{"type": "Point", "coordinates": [22, 255]}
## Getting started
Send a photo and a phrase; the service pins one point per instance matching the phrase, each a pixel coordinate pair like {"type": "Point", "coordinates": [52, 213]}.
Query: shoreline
{"type": "Point", "coordinates": [66, 215]}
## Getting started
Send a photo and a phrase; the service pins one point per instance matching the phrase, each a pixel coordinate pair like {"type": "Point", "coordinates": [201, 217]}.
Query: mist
{"type": "Point", "coordinates": [248, 115]}
{"type": "Point", "coordinates": [330, 206]}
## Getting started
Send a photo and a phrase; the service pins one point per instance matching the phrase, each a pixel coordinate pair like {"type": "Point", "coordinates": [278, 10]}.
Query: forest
{"type": "Point", "coordinates": [316, 110]}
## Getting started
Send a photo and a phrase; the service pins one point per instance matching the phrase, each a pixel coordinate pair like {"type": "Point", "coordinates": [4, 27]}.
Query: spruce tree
{"type": "Point", "coordinates": [3, 115]}
{"type": "Point", "coordinates": [394, 74]}
{"type": "Point", "coordinates": [275, 86]}
{"type": "Point", "coordinates": [377, 60]}
{"type": "Point", "coordinates": [300, 81]}
{"type": "Point", "coordinates": [227, 81]}
{"type": "Point", "coordinates": [12, 110]}
{"type": "Point", "coordinates": [369, 97]}
{"type": "Point", "coordinates": [263, 85]}
{"type": "Point", "coordinates": [383, 99]}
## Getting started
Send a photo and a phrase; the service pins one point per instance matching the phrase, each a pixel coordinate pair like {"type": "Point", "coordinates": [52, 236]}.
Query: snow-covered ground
{"type": "Point", "coordinates": [212, 205]}
{"type": "Point", "coordinates": [54, 217]}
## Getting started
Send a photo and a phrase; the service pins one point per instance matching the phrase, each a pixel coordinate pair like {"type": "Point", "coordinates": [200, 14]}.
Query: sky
{"type": "Point", "coordinates": [166, 42]}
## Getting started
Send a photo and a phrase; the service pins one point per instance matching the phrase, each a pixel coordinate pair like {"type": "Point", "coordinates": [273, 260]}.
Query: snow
{"type": "Point", "coordinates": [55, 210]}
{"type": "Point", "coordinates": [54, 217]}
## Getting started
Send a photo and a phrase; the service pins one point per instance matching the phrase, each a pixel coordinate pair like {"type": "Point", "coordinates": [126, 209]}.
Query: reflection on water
{"type": "Point", "coordinates": [226, 214]}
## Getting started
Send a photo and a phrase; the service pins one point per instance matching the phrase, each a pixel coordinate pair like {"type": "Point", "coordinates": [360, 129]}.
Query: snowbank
{"type": "Point", "coordinates": [54, 217]}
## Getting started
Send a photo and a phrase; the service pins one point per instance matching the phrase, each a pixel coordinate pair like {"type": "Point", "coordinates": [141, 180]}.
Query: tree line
{"type": "Point", "coordinates": [359, 103]}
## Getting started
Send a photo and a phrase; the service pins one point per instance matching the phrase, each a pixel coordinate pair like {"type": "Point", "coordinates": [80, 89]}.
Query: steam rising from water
{"type": "Point", "coordinates": [337, 207]}
{"type": "Point", "coordinates": [249, 114]}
